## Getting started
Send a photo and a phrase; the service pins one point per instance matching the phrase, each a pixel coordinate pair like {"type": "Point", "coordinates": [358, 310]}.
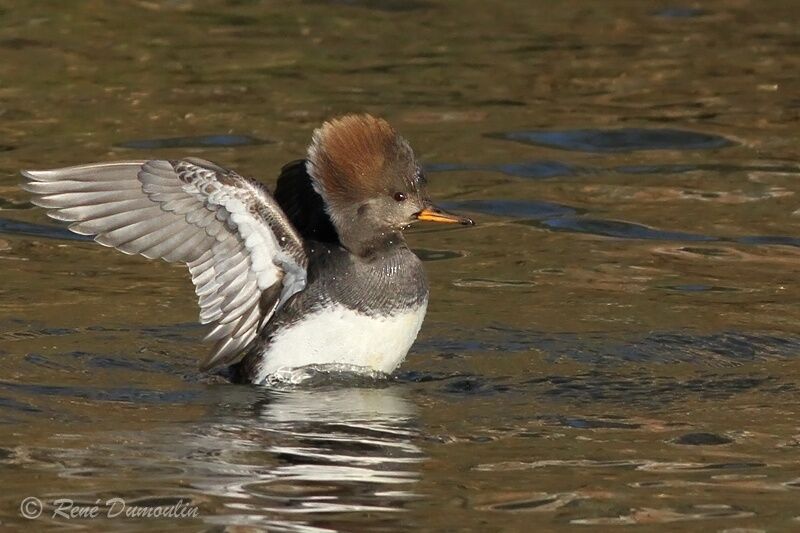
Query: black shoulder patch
{"type": "Point", "coordinates": [305, 208]}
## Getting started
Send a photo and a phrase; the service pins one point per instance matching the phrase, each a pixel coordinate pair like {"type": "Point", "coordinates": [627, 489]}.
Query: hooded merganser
{"type": "Point", "coordinates": [317, 274]}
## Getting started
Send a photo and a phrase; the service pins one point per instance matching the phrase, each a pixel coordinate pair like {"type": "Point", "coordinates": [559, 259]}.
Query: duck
{"type": "Point", "coordinates": [317, 274]}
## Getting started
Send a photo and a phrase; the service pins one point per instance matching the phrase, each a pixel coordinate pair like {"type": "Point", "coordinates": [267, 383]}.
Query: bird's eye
{"type": "Point", "coordinates": [399, 196]}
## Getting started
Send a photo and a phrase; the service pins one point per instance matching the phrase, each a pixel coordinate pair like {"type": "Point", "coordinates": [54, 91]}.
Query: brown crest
{"type": "Point", "coordinates": [358, 156]}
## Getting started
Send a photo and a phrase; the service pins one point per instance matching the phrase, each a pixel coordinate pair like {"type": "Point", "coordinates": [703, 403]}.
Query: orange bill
{"type": "Point", "coordinates": [434, 214]}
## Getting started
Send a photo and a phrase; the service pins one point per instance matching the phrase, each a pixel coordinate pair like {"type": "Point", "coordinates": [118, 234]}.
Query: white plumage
{"type": "Point", "coordinates": [342, 337]}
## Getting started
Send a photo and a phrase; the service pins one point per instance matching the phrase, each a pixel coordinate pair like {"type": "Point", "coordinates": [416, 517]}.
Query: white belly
{"type": "Point", "coordinates": [341, 336]}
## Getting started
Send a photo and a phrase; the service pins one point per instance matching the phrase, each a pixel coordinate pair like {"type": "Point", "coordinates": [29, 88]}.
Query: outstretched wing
{"type": "Point", "coordinates": [244, 256]}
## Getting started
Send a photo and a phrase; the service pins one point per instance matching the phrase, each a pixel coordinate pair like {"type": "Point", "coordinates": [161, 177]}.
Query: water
{"type": "Point", "coordinates": [616, 343]}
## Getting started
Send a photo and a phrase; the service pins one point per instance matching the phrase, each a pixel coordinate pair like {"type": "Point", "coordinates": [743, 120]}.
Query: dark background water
{"type": "Point", "coordinates": [614, 344]}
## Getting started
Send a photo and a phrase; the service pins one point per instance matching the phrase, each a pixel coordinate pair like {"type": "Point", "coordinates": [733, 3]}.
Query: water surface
{"type": "Point", "coordinates": [614, 345]}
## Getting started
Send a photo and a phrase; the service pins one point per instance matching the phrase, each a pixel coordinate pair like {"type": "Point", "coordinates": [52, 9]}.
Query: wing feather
{"type": "Point", "coordinates": [245, 258]}
{"type": "Point", "coordinates": [87, 212]}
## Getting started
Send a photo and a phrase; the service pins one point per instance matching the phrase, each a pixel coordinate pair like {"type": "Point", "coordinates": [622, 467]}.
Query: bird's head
{"type": "Point", "coordinates": [370, 180]}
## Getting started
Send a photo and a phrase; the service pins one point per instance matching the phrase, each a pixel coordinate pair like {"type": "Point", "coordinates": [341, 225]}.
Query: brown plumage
{"type": "Point", "coordinates": [359, 156]}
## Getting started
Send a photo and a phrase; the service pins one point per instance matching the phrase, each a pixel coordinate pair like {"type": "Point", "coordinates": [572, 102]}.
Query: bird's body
{"type": "Point", "coordinates": [354, 312]}
{"type": "Point", "coordinates": [318, 274]}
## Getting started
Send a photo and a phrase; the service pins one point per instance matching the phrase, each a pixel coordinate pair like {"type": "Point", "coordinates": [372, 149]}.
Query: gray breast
{"type": "Point", "coordinates": [382, 284]}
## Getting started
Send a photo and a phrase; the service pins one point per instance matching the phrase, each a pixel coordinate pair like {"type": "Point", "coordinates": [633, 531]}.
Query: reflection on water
{"type": "Point", "coordinates": [301, 460]}
{"type": "Point", "coordinates": [337, 450]}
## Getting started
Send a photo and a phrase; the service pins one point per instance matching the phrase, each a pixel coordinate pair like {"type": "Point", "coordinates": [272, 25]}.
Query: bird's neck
{"type": "Point", "coordinates": [377, 244]}
{"type": "Point", "coordinates": [362, 236]}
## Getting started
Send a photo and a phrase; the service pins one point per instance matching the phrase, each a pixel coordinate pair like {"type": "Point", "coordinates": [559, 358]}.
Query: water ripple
{"type": "Point", "coordinates": [620, 229]}
{"type": "Point", "coordinates": [201, 141]}
{"type": "Point", "coordinates": [527, 209]}
{"type": "Point", "coordinates": [528, 169]}
{"type": "Point", "coordinates": [15, 227]}
{"type": "Point", "coordinates": [656, 346]}
{"type": "Point", "coordinates": [618, 140]}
